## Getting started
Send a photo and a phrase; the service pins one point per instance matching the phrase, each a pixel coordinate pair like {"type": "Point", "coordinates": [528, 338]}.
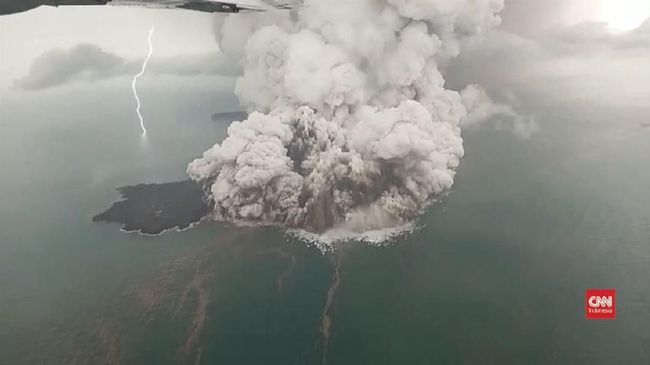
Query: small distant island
{"type": "Point", "coordinates": [155, 208]}
{"type": "Point", "coordinates": [229, 116]}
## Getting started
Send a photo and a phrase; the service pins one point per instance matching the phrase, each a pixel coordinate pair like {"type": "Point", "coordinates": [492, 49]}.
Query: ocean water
{"type": "Point", "coordinates": [495, 272]}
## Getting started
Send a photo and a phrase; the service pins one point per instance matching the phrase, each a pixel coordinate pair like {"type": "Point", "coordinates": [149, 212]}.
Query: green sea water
{"type": "Point", "coordinates": [495, 273]}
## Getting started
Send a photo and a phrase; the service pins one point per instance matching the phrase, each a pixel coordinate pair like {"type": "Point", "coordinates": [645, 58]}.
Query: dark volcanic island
{"type": "Point", "coordinates": [155, 208]}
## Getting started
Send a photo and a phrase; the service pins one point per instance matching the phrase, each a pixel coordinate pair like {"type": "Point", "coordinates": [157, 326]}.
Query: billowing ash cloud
{"type": "Point", "coordinates": [352, 126]}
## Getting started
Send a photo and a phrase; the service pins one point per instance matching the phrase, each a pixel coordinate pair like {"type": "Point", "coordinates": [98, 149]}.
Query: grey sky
{"type": "Point", "coordinates": [121, 31]}
{"type": "Point", "coordinates": [527, 16]}
{"type": "Point", "coordinates": [581, 62]}
{"type": "Point", "coordinates": [89, 63]}
{"type": "Point", "coordinates": [541, 46]}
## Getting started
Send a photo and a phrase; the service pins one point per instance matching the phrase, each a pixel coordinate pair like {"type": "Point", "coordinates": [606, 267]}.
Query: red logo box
{"type": "Point", "coordinates": [600, 303]}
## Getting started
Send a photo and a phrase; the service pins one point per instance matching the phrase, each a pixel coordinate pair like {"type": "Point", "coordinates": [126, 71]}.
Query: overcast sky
{"type": "Point", "coordinates": [541, 46]}
{"type": "Point", "coordinates": [120, 31]}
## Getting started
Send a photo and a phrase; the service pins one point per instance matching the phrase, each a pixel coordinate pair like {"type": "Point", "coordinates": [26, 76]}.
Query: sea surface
{"type": "Point", "coordinates": [495, 273]}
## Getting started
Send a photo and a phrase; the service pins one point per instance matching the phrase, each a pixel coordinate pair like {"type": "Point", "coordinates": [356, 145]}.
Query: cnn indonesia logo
{"type": "Point", "coordinates": [600, 303]}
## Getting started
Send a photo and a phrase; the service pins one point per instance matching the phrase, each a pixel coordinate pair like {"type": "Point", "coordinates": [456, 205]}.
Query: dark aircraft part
{"type": "Point", "coordinates": [211, 7]}
{"type": "Point", "coordinates": [74, 2]}
{"type": "Point", "coordinates": [16, 6]}
{"type": "Point", "coordinates": [11, 6]}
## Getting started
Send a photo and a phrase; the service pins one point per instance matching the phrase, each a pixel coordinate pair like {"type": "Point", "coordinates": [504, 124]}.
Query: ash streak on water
{"type": "Point", "coordinates": [134, 83]}
{"type": "Point", "coordinates": [326, 320]}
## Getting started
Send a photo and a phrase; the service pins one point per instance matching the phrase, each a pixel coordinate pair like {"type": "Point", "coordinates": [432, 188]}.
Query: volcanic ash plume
{"type": "Point", "coordinates": [351, 124]}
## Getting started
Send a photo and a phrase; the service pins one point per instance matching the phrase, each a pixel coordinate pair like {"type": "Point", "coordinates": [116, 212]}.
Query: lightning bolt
{"type": "Point", "coordinates": [134, 83]}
